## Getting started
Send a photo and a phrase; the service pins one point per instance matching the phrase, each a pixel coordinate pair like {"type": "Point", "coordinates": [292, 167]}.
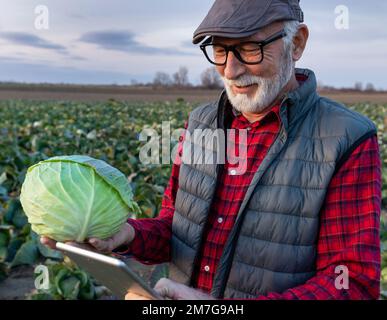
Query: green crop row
{"type": "Point", "coordinates": [33, 131]}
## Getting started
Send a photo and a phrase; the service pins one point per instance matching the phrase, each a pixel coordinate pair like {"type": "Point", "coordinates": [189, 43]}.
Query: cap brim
{"type": "Point", "coordinates": [233, 35]}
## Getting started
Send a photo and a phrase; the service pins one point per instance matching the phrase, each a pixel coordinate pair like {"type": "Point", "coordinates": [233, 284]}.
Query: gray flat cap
{"type": "Point", "coordinates": [242, 18]}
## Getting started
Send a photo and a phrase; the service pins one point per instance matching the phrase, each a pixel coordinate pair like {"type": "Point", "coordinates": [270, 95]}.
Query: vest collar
{"type": "Point", "coordinates": [300, 100]}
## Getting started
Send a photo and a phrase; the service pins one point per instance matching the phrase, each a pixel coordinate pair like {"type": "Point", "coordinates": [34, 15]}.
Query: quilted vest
{"type": "Point", "coordinates": [272, 245]}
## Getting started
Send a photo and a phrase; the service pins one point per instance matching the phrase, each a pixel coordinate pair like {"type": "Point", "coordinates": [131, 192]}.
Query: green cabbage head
{"type": "Point", "coordinates": [72, 198]}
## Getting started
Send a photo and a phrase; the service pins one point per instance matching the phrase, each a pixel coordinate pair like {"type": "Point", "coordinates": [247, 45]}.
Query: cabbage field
{"type": "Point", "coordinates": [34, 131]}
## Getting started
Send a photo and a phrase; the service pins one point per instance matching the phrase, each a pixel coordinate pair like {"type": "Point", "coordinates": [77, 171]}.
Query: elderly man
{"type": "Point", "coordinates": [301, 220]}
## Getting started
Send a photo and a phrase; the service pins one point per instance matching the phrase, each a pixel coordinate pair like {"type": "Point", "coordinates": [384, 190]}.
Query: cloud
{"type": "Point", "coordinates": [31, 40]}
{"type": "Point", "coordinates": [78, 58]}
{"type": "Point", "coordinates": [15, 70]}
{"type": "Point", "coordinates": [124, 41]}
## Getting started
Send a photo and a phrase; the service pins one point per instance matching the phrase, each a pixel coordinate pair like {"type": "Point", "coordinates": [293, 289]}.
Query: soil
{"type": "Point", "coordinates": [18, 284]}
{"type": "Point", "coordinates": [132, 94]}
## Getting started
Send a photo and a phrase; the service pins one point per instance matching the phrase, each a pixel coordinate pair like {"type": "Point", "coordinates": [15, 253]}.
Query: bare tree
{"type": "Point", "coordinates": [210, 79]}
{"type": "Point", "coordinates": [370, 87]}
{"type": "Point", "coordinates": [358, 86]}
{"type": "Point", "coordinates": [162, 79]}
{"type": "Point", "coordinates": [180, 78]}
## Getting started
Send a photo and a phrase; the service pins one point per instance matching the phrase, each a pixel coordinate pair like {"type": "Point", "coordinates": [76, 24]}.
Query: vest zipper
{"type": "Point", "coordinates": [238, 224]}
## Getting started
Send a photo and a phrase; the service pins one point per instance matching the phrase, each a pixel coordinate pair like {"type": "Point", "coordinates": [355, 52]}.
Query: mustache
{"type": "Point", "coordinates": [244, 80]}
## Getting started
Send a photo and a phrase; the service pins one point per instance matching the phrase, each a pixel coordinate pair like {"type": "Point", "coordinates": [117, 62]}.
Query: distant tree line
{"type": "Point", "coordinates": [357, 87]}
{"type": "Point", "coordinates": [209, 79]}
{"type": "Point", "coordinates": [369, 87]}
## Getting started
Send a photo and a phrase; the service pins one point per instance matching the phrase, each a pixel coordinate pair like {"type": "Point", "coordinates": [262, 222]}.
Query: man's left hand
{"type": "Point", "coordinates": [176, 291]}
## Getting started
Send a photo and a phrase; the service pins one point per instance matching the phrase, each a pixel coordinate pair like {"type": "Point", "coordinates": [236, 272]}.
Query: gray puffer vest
{"type": "Point", "coordinates": [272, 246]}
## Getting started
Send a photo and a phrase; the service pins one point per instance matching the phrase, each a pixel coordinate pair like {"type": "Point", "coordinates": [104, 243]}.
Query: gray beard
{"type": "Point", "coordinates": [267, 91]}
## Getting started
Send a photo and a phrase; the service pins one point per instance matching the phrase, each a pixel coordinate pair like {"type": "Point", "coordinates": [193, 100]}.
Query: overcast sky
{"type": "Point", "coordinates": [116, 41]}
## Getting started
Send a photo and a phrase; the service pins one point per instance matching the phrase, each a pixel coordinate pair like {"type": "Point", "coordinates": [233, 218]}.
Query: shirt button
{"type": "Point", "coordinates": [248, 128]}
{"type": "Point", "coordinates": [220, 220]}
{"type": "Point", "coordinates": [232, 172]}
{"type": "Point", "coordinates": [206, 268]}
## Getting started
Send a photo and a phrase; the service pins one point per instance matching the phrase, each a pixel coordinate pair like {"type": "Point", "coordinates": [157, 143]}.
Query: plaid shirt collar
{"type": "Point", "coordinates": [241, 122]}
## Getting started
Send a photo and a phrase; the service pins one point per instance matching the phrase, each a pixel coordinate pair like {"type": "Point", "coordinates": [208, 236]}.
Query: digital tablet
{"type": "Point", "coordinates": [111, 272]}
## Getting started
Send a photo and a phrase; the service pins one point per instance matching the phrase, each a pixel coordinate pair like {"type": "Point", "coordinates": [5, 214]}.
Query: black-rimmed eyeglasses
{"type": "Point", "coordinates": [248, 52]}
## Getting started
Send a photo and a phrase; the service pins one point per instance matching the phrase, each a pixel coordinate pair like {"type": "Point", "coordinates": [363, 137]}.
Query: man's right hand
{"type": "Point", "coordinates": [122, 237]}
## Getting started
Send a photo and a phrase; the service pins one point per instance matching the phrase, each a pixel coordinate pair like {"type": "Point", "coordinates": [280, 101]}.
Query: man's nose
{"type": "Point", "coordinates": [233, 68]}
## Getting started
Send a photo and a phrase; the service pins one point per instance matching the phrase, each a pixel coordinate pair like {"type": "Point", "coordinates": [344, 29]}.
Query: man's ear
{"type": "Point", "coordinates": [299, 41]}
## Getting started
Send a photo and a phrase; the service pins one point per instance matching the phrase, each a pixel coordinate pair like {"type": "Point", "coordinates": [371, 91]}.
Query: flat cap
{"type": "Point", "coordinates": [242, 18]}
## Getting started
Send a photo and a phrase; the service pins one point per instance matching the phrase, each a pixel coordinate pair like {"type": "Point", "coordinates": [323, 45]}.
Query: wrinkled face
{"type": "Point", "coordinates": [253, 88]}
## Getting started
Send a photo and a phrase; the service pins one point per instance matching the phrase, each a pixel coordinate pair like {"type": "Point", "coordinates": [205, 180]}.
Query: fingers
{"type": "Point", "coordinates": [48, 242]}
{"type": "Point", "coordinates": [164, 287]}
{"type": "Point", "coordinates": [176, 291]}
{"type": "Point", "coordinates": [125, 235]}
{"type": "Point", "coordinates": [164, 292]}
{"type": "Point", "coordinates": [101, 245]}
{"type": "Point", "coordinates": [162, 283]}
{"type": "Point", "coordinates": [94, 244]}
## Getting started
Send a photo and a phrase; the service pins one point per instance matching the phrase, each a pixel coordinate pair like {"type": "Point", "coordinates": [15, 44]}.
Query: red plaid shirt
{"type": "Point", "coordinates": [349, 220]}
